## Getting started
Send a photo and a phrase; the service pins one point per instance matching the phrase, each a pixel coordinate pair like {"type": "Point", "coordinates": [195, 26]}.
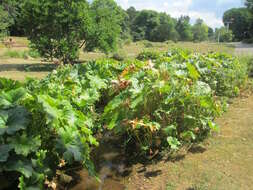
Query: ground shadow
{"type": "Point", "coordinates": [36, 67]}
{"type": "Point", "coordinates": [197, 149]}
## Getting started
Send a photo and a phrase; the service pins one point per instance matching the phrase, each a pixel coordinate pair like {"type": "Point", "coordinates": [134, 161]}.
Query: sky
{"type": "Point", "coordinates": [211, 11]}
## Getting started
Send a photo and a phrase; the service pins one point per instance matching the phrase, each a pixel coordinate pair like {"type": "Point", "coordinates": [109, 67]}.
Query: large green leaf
{"type": "Point", "coordinates": [10, 97]}
{"type": "Point", "coordinates": [13, 120]}
{"type": "Point", "coordinates": [24, 145]}
{"type": "Point", "coordinates": [192, 71]}
{"type": "Point", "coordinates": [24, 167]}
{"type": "Point", "coordinates": [4, 152]}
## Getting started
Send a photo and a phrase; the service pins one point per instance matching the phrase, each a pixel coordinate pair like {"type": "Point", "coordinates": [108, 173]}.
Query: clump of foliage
{"type": "Point", "coordinates": [160, 101]}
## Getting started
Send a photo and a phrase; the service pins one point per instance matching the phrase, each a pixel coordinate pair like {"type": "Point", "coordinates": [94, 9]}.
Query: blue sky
{"type": "Point", "coordinates": [211, 11]}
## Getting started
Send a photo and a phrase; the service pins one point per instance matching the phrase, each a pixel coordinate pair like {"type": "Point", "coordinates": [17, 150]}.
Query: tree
{"type": "Point", "coordinates": [249, 4]}
{"type": "Point", "coordinates": [4, 22]}
{"type": "Point", "coordinates": [144, 23]}
{"type": "Point", "coordinates": [210, 33]}
{"type": "Point", "coordinates": [132, 12]}
{"type": "Point", "coordinates": [107, 18]}
{"type": "Point", "coordinates": [59, 28]}
{"type": "Point", "coordinates": [153, 26]}
{"type": "Point", "coordinates": [165, 30]}
{"type": "Point", "coordinates": [13, 8]}
{"type": "Point", "coordinates": [223, 35]}
{"type": "Point", "coordinates": [183, 28]}
{"type": "Point", "coordinates": [240, 22]}
{"type": "Point", "coordinates": [200, 31]}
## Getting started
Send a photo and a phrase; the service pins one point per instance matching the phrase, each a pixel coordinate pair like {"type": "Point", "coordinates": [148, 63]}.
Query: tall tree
{"type": "Point", "coordinates": [210, 33]}
{"type": "Point", "coordinates": [165, 30]}
{"type": "Point", "coordinates": [183, 28]}
{"type": "Point", "coordinates": [14, 8]}
{"type": "Point", "coordinates": [144, 23]}
{"type": "Point", "coordinates": [249, 4]}
{"type": "Point", "coordinates": [107, 18]}
{"type": "Point", "coordinates": [200, 31]}
{"type": "Point", "coordinates": [240, 20]}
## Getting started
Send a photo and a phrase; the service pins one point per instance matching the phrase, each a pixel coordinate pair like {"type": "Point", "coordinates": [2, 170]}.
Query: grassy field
{"type": "Point", "coordinates": [19, 53]}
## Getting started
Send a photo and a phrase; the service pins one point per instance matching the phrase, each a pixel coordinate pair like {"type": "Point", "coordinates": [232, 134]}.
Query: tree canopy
{"type": "Point", "coordinates": [200, 31]}
{"type": "Point", "coordinates": [240, 20]}
{"type": "Point", "coordinates": [183, 28]}
{"type": "Point", "coordinates": [4, 22]}
{"type": "Point", "coordinates": [58, 29]}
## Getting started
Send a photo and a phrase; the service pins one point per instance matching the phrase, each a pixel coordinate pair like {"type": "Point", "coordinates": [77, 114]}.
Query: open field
{"type": "Point", "coordinates": [18, 53]}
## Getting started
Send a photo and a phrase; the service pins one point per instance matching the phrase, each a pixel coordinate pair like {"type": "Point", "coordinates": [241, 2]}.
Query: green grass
{"type": "Point", "coordinates": [24, 54]}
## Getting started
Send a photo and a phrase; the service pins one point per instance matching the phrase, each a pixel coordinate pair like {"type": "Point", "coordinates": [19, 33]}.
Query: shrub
{"type": "Point", "coordinates": [118, 57]}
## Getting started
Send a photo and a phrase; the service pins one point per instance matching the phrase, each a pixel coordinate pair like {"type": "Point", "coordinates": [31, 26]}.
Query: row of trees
{"type": "Point", "coordinates": [154, 26]}
{"type": "Point", "coordinates": [59, 28]}
{"type": "Point", "coordinates": [138, 25]}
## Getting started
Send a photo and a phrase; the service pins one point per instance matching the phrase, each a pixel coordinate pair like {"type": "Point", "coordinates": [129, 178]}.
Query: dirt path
{"type": "Point", "coordinates": [223, 162]}
{"type": "Point", "coordinates": [243, 49]}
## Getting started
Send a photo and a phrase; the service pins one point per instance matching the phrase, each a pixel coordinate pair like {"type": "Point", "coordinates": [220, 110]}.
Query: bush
{"type": "Point", "coordinates": [118, 57]}
{"type": "Point", "coordinates": [146, 55]}
{"type": "Point", "coordinates": [147, 44]}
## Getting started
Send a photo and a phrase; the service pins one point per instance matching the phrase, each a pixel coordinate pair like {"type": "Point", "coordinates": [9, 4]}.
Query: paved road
{"type": "Point", "coordinates": [243, 49]}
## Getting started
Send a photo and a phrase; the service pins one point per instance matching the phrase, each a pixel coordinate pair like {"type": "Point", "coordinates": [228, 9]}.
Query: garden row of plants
{"type": "Point", "coordinates": [158, 101]}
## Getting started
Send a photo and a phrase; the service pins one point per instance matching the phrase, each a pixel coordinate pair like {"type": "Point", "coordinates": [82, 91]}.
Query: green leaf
{"type": "Point", "coordinates": [188, 136]}
{"type": "Point", "coordinates": [136, 101]}
{"type": "Point", "coordinates": [50, 106]}
{"type": "Point", "coordinates": [213, 126]}
{"type": "Point", "coordinates": [24, 145]}
{"type": "Point", "coordinates": [113, 121]}
{"type": "Point", "coordinates": [3, 121]}
{"type": "Point", "coordinates": [4, 152]}
{"type": "Point", "coordinates": [11, 97]}
{"type": "Point", "coordinates": [194, 74]}
{"type": "Point", "coordinates": [24, 167]}
{"type": "Point", "coordinates": [73, 152]}
{"type": "Point", "coordinates": [173, 142]}
{"type": "Point", "coordinates": [169, 130]}
{"type": "Point", "coordinates": [13, 120]}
